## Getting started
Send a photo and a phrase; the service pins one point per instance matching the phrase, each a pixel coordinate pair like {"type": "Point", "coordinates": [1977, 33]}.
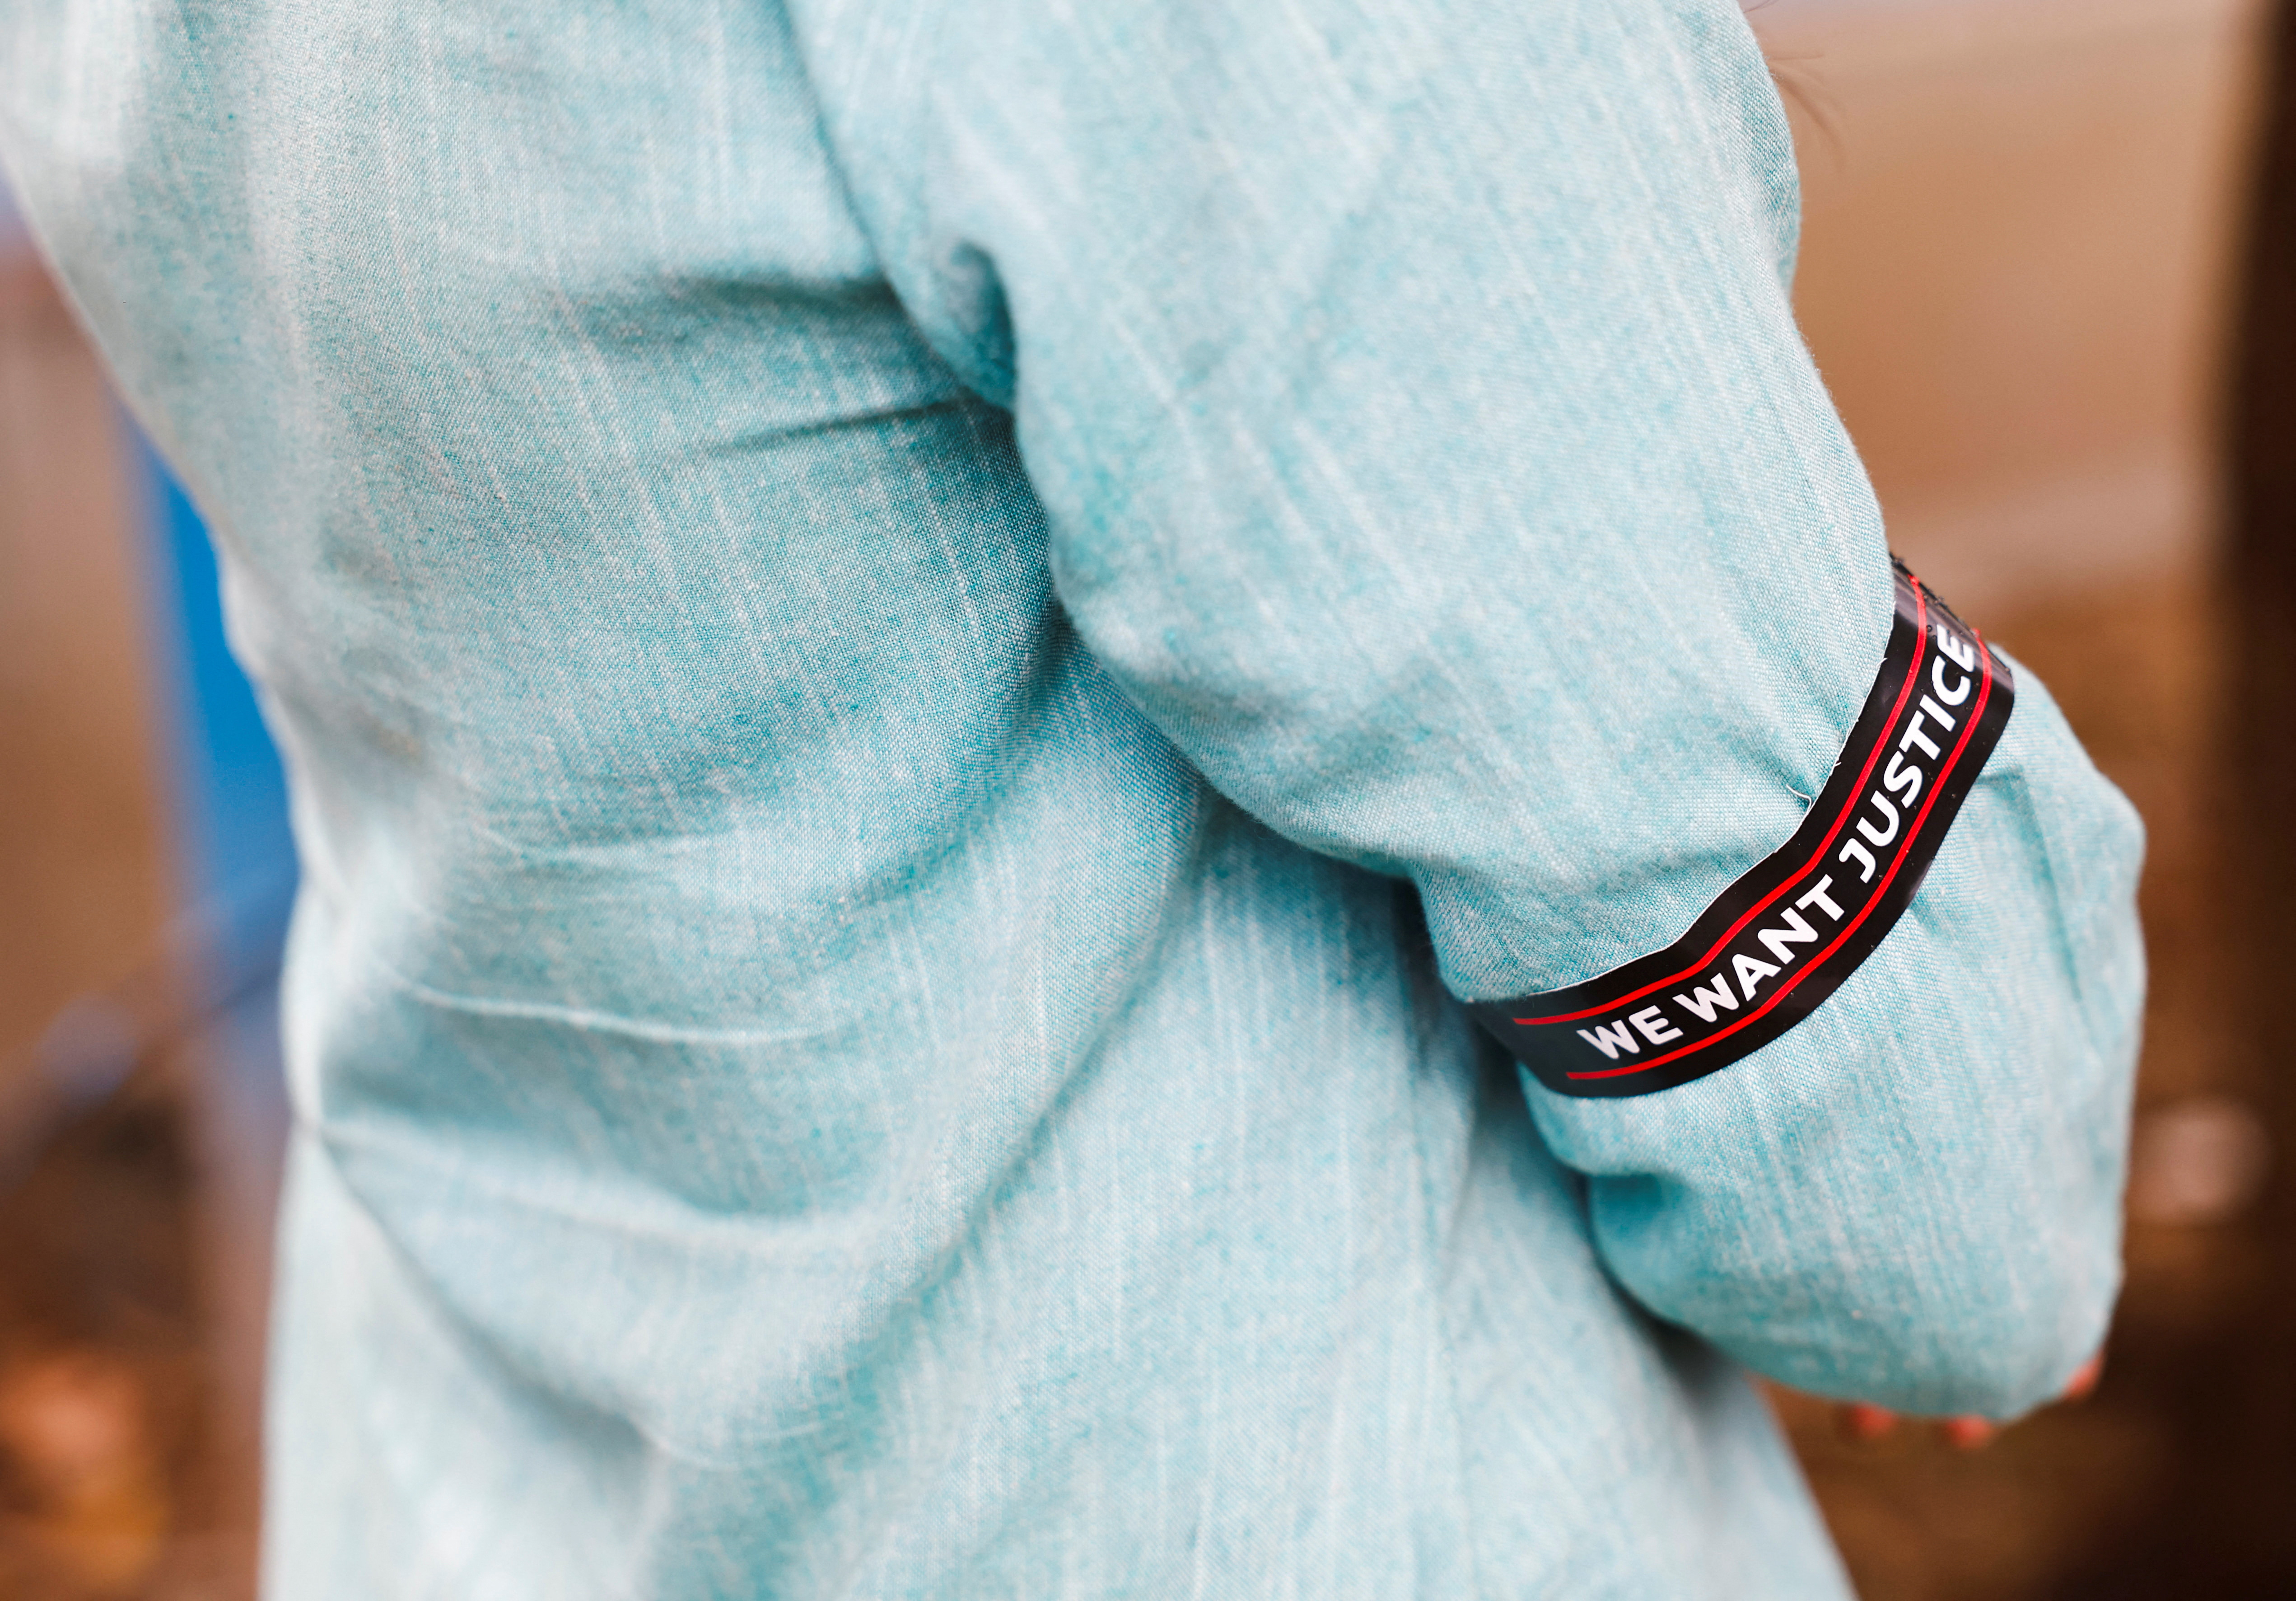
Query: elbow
{"type": "Point", "coordinates": [1993, 1325]}
{"type": "Point", "coordinates": [1994, 1340]}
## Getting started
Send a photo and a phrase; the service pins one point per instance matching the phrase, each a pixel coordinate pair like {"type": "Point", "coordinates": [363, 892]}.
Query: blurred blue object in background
{"type": "Point", "coordinates": [235, 858]}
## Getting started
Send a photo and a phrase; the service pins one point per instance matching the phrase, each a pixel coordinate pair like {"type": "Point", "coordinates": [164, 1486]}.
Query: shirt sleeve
{"type": "Point", "coordinates": [1427, 445]}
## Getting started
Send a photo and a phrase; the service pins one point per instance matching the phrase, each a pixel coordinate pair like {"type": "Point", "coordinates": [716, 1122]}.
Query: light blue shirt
{"type": "Point", "coordinates": [884, 614]}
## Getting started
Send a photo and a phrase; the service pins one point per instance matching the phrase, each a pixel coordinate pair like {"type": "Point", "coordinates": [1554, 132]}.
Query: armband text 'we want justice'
{"type": "Point", "coordinates": [1774, 944]}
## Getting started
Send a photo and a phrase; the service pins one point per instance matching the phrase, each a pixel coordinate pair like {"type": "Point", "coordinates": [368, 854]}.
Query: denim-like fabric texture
{"type": "Point", "coordinates": [875, 606]}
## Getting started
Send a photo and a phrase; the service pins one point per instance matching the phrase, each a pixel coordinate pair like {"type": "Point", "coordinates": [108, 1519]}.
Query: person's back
{"type": "Point", "coordinates": [884, 616]}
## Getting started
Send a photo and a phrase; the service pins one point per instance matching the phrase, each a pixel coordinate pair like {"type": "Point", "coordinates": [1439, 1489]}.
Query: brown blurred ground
{"type": "Point", "coordinates": [2021, 226]}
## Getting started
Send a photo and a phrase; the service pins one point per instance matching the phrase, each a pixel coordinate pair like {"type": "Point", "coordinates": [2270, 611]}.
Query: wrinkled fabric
{"type": "Point", "coordinates": [919, 646]}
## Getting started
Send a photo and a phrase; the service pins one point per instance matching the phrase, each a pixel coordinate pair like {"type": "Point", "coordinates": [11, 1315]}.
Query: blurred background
{"type": "Point", "coordinates": [2049, 272]}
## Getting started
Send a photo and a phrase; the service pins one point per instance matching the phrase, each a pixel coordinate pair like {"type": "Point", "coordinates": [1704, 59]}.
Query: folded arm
{"type": "Point", "coordinates": [1426, 444]}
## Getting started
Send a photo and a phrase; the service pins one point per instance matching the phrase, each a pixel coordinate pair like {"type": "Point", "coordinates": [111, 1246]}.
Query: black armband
{"type": "Point", "coordinates": [1778, 941]}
